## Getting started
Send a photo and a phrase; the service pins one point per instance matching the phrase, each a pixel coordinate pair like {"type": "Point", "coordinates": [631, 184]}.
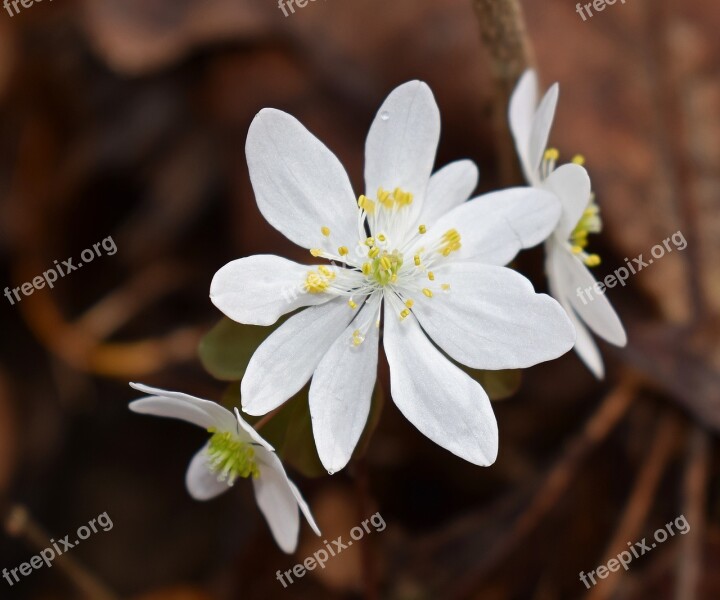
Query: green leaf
{"type": "Point", "coordinates": [226, 349]}
{"type": "Point", "coordinates": [499, 385]}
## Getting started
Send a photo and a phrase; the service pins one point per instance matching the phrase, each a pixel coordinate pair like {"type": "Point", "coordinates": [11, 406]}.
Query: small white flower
{"type": "Point", "coordinates": [565, 248]}
{"type": "Point", "coordinates": [410, 244]}
{"type": "Point", "coordinates": [235, 450]}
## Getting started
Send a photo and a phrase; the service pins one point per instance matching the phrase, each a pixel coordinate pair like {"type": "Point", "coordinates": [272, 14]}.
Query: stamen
{"type": "Point", "coordinates": [357, 338]}
{"type": "Point", "coordinates": [316, 283]}
{"type": "Point", "coordinates": [445, 287]}
{"type": "Point", "coordinates": [343, 251]}
{"type": "Point", "coordinates": [422, 229]}
{"type": "Point", "coordinates": [427, 292]}
{"type": "Point", "coordinates": [450, 242]}
{"type": "Point", "coordinates": [551, 154]}
{"type": "Point", "coordinates": [431, 276]}
{"type": "Point", "coordinates": [231, 458]}
{"type": "Point", "coordinates": [404, 314]}
{"type": "Point", "coordinates": [316, 252]}
{"type": "Point", "coordinates": [578, 159]}
{"type": "Point", "coordinates": [325, 231]}
{"type": "Point", "coordinates": [409, 302]}
{"type": "Point", "coordinates": [417, 260]}
{"type": "Point", "coordinates": [352, 304]}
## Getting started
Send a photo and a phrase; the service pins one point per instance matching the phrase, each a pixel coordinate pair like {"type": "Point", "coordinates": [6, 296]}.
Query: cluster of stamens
{"type": "Point", "coordinates": [590, 221]}
{"type": "Point", "coordinates": [231, 458]}
{"type": "Point", "coordinates": [319, 281]}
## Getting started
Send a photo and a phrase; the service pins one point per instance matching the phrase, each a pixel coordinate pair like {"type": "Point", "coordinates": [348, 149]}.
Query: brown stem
{"type": "Point", "coordinates": [19, 523]}
{"type": "Point", "coordinates": [502, 30]}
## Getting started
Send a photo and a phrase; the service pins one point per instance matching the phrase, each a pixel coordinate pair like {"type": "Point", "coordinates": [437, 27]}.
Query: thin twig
{"type": "Point", "coordinates": [19, 523]}
{"type": "Point", "coordinates": [502, 30]}
{"type": "Point", "coordinates": [601, 423]}
{"type": "Point", "coordinates": [694, 490]}
{"type": "Point", "coordinates": [640, 502]}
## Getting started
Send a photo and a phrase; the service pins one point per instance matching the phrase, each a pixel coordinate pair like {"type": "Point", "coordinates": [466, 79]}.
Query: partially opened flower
{"type": "Point", "coordinates": [412, 247]}
{"type": "Point", "coordinates": [566, 256]}
{"type": "Point", "coordinates": [234, 450]}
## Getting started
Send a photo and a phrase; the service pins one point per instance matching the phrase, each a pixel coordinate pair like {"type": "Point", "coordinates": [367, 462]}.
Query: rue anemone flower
{"type": "Point", "coordinates": [412, 254]}
{"type": "Point", "coordinates": [234, 451]}
{"type": "Point", "coordinates": [565, 249]}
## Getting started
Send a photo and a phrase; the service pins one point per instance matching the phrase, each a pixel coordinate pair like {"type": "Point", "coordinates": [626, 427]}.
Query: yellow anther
{"type": "Point", "coordinates": [409, 302]}
{"type": "Point", "coordinates": [316, 252]}
{"type": "Point", "coordinates": [315, 283]}
{"type": "Point", "coordinates": [357, 338]}
{"type": "Point", "coordinates": [370, 241]}
{"type": "Point", "coordinates": [381, 237]}
{"type": "Point", "coordinates": [366, 268]}
{"type": "Point", "coordinates": [393, 278]}
{"type": "Point", "coordinates": [579, 159]}
{"type": "Point", "coordinates": [374, 251]}
{"type": "Point", "coordinates": [450, 242]}
{"type": "Point", "coordinates": [576, 249]}
{"type": "Point", "coordinates": [422, 229]}
{"type": "Point", "coordinates": [445, 287]}
{"type": "Point", "coordinates": [404, 313]}
{"type": "Point", "coordinates": [551, 154]}
{"type": "Point", "coordinates": [431, 276]}
{"type": "Point", "coordinates": [417, 260]}
{"type": "Point", "coordinates": [352, 304]}
{"type": "Point", "coordinates": [593, 260]}
{"type": "Point", "coordinates": [328, 272]}
{"type": "Point", "coordinates": [385, 263]}
{"type": "Point", "coordinates": [427, 292]}
{"type": "Point", "coordinates": [366, 204]}
{"type": "Point", "coordinates": [325, 231]}
{"type": "Point", "coordinates": [342, 250]}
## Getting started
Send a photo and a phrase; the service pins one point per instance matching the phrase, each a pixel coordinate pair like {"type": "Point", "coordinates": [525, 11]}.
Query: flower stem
{"type": "Point", "coordinates": [502, 30]}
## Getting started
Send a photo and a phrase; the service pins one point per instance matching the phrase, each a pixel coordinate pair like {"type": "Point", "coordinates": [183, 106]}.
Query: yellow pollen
{"type": "Point", "coordinates": [357, 338]}
{"type": "Point", "coordinates": [445, 287]}
{"type": "Point", "coordinates": [342, 250]}
{"type": "Point", "coordinates": [366, 204]}
{"type": "Point", "coordinates": [381, 237]}
{"type": "Point", "coordinates": [374, 252]}
{"type": "Point", "coordinates": [325, 231]}
{"type": "Point", "coordinates": [427, 292]}
{"type": "Point", "coordinates": [366, 268]}
{"type": "Point", "coordinates": [393, 278]}
{"type": "Point", "coordinates": [417, 260]}
{"type": "Point", "coordinates": [404, 313]}
{"type": "Point", "coordinates": [422, 229]}
{"type": "Point", "coordinates": [593, 260]}
{"type": "Point", "coordinates": [551, 154]}
{"type": "Point", "coordinates": [576, 249]}
{"type": "Point", "coordinates": [431, 276]}
{"type": "Point", "coordinates": [370, 242]}
{"type": "Point", "coordinates": [352, 304]}
{"type": "Point", "coordinates": [409, 302]}
{"type": "Point", "coordinates": [450, 242]}
{"type": "Point", "coordinates": [316, 283]}
{"type": "Point", "coordinates": [385, 263]}
{"type": "Point", "coordinates": [316, 252]}
{"type": "Point", "coordinates": [328, 272]}
{"type": "Point", "coordinates": [579, 159]}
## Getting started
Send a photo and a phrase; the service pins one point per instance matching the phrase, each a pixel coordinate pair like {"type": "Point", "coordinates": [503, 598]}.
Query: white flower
{"type": "Point", "coordinates": [411, 244]}
{"type": "Point", "coordinates": [565, 248]}
{"type": "Point", "coordinates": [234, 450]}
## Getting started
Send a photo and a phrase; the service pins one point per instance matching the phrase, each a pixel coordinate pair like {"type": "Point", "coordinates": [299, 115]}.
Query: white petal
{"type": "Point", "coordinates": [571, 184]}
{"type": "Point", "coordinates": [496, 226]}
{"type": "Point", "coordinates": [201, 482]}
{"type": "Point", "coordinates": [304, 508]}
{"type": "Point", "coordinates": [285, 361]}
{"type": "Point", "coordinates": [258, 290]}
{"type": "Point", "coordinates": [277, 501]}
{"type": "Point", "coordinates": [522, 111]}
{"type": "Point", "coordinates": [251, 435]}
{"type": "Point", "coordinates": [300, 186]}
{"type": "Point", "coordinates": [176, 405]}
{"type": "Point", "coordinates": [442, 401]}
{"type": "Point", "coordinates": [491, 318]}
{"type": "Point", "coordinates": [341, 391]}
{"type": "Point", "coordinates": [449, 187]}
{"type": "Point", "coordinates": [596, 312]}
{"type": "Point", "coordinates": [402, 142]}
{"type": "Point", "coordinates": [542, 124]}
{"type": "Point", "coordinates": [585, 346]}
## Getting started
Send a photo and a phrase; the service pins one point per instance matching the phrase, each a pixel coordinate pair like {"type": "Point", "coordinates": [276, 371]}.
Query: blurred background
{"type": "Point", "coordinates": [128, 119]}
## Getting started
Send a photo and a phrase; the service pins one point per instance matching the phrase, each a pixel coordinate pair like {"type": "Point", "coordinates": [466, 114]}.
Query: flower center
{"type": "Point", "coordinates": [384, 267]}
{"type": "Point", "coordinates": [231, 458]}
{"type": "Point", "coordinates": [590, 221]}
